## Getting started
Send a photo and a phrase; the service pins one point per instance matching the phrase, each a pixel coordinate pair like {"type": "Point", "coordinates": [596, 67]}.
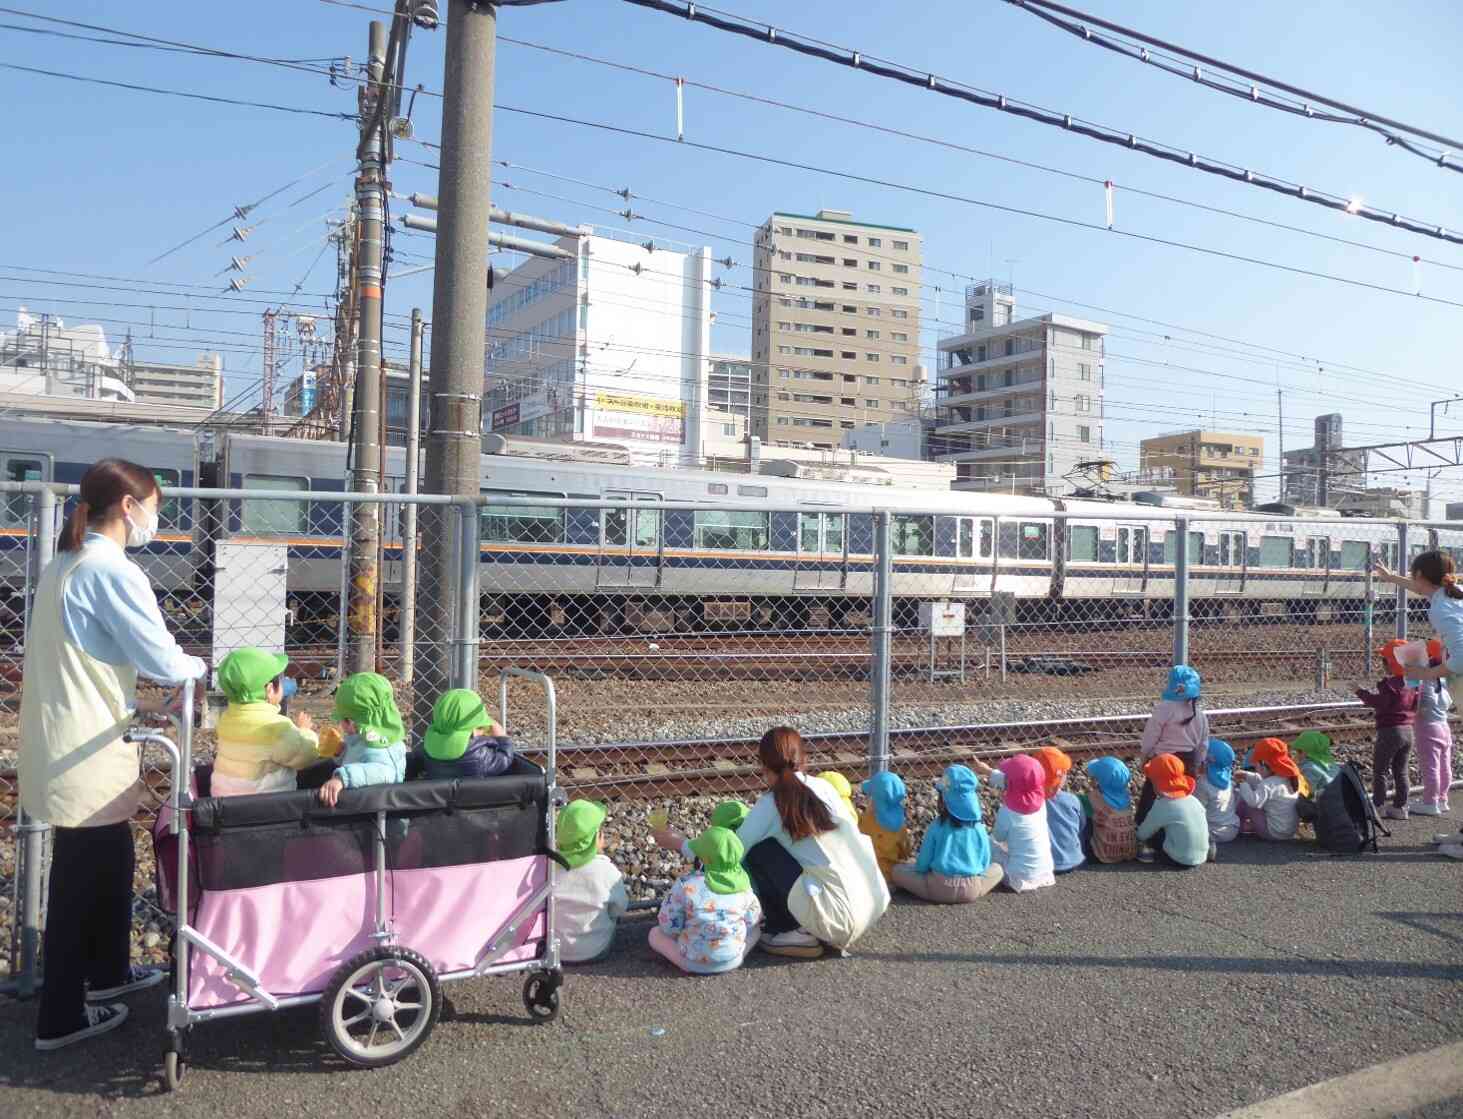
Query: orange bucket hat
{"type": "Point", "coordinates": [1168, 776]}
{"type": "Point", "coordinates": [1055, 764]}
{"type": "Point", "coordinates": [1434, 649]}
{"type": "Point", "coordinates": [1274, 753]}
{"type": "Point", "coordinates": [1388, 652]}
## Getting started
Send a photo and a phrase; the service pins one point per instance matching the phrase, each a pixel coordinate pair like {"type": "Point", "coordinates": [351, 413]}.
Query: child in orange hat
{"type": "Point", "coordinates": [1395, 707]}
{"type": "Point", "coordinates": [1270, 795]}
{"type": "Point", "coordinates": [1176, 829]}
{"type": "Point", "coordinates": [1065, 819]}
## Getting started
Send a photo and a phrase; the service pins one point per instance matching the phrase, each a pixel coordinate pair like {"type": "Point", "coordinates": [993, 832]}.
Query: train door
{"type": "Point", "coordinates": [1130, 575]}
{"type": "Point", "coordinates": [630, 555]}
{"type": "Point", "coordinates": [973, 549]}
{"type": "Point", "coordinates": [821, 556]}
{"type": "Point", "coordinates": [1233, 554]}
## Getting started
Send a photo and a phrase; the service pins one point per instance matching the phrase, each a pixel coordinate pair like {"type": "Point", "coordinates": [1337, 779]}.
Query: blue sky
{"type": "Point", "coordinates": [101, 180]}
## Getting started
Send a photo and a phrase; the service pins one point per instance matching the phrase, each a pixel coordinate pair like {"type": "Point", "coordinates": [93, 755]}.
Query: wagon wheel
{"type": "Point", "coordinates": [541, 995]}
{"type": "Point", "coordinates": [380, 1006]}
{"type": "Point", "coordinates": [175, 1061]}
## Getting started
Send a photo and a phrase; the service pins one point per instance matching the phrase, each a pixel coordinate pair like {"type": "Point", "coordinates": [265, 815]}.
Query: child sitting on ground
{"type": "Point", "coordinates": [259, 749]}
{"type": "Point", "coordinates": [1064, 815]}
{"type": "Point", "coordinates": [1215, 790]}
{"type": "Point", "coordinates": [1268, 807]}
{"type": "Point", "coordinates": [1395, 706]}
{"type": "Point", "coordinates": [843, 789]}
{"type": "Point", "coordinates": [1175, 829]}
{"type": "Point", "coordinates": [374, 749]}
{"type": "Point", "coordinates": [708, 920]}
{"type": "Point", "coordinates": [589, 897]}
{"type": "Point", "coordinates": [883, 820]}
{"type": "Point", "coordinates": [1112, 838]}
{"type": "Point", "coordinates": [729, 814]}
{"type": "Point", "coordinates": [954, 863]}
{"type": "Point", "coordinates": [464, 740]}
{"type": "Point", "coordinates": [1178, 726]}
{"type": "Point", "coordinates": [1023, 845]}
{"type": "Point", "coordinates": [1313, 753]}
{"type": "Point", "coordinates": [1434, 739]}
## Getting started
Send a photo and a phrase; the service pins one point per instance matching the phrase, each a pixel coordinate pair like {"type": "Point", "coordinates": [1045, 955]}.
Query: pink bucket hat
{"type": "Point", "coordinates": [1025, 784]}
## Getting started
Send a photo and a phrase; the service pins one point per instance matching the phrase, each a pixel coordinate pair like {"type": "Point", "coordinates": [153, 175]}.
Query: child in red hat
{"type": "Point", "coordinates": [1270, 795]}
{"type": "Point", "coordinates": [1395, 706]}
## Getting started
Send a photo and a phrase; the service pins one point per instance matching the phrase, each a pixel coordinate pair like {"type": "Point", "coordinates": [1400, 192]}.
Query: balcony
{"type": "Point", "coordinates": [949, 396]}
{"type": "Point", "coordinates": [965, 355]}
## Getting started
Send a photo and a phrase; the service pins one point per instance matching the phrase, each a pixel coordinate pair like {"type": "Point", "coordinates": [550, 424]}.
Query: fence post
{"type": "Point", "coordinates": [1403, 559]}
{"type": "Point", "coordinates": [345, 583]}
{"type": "Point", "coordinates": [1368, 611]}
{"type": "Point", "coordinates": [465, 666]}
{"type": "Point", "coordinates": [1181, 591]}
{"type": "Point", "coordinates": [30, 834]}
{"type": "Point", "coordinates": [881, 619]}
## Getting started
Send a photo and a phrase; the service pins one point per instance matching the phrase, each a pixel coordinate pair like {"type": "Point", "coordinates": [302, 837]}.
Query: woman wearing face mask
{"type": "Point", "coordinates": [94, 627]}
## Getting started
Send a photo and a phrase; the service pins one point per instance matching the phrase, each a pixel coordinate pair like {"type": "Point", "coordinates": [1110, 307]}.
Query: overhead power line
{"type": "Point", "coordinates": [921, 79]}
{"type": "Point", "coordinates": [1241, 83]}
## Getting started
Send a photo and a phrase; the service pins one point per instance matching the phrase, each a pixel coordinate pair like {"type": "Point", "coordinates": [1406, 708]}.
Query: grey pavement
{"type": "Point", "coordinates": [1123, 991]}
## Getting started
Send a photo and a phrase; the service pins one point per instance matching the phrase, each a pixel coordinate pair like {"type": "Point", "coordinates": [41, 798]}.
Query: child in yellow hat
{"type": "Point", "coordinates": [843, 789]}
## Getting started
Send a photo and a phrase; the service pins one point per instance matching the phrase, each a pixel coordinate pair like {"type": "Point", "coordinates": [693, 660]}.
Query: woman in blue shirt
{"type": "Point", "coordinates": [94, 627]}
{"type": "Point", "coordinates": [954, 863]}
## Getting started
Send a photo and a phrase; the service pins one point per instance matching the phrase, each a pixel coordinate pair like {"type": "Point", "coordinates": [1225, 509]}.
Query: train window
{"type": "Point", "coordinates": [17, 505]}
{"type": "Point", "coordinates": [966, 549]}
{"type": "Point", "coordinates": [1231, 549]}
{"type": "Point", "coordinates": [271, 516]}
{"type": "Point", "coordinates": [833, 532]}
{"type": "Point", "coordinates": [1082, 543]}
{"type": "Point", "coordinates": [1277, 551]}
{"type": "Point", "coordinates": [809, 526]}
{"type": "Point", "coordinates": [522, 524]}
{"type": "Point", "coordinates": [647, 527]}
{"type": "Point", "coordinates": [914, 534]}
{"type": "Point", "coordinates": [1133, 546]}
{"type": "Point", "coordinates": [1318, 552]}
{"type": "Point", "coordinates": [717, 488]}
{"type": "Point", "coordinates": [1388, 554]}
{"type": "Point", "coordinates": [170, 512]}
{"type": "Point", "coordinates": [751, 491]}
{"type": "Point", "coordinates": [987, 539]}
{"type": "Point", "coordinates": [1196, 547]}
{"type": "Point", "coordinates": [721, 529]}
{"type": "Point", "coordinates": [1028, 540]}
{"type": "Point", "coordinates": [1353, 555]}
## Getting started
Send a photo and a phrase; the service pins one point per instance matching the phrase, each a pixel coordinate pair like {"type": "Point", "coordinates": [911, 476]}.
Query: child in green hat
{"type": "Point", "coordinates": [259, 749]}
{"type": "Point", "coordinates": [464, 740]}
{"type": "Point", "coordinates": [729, 814]}
{"type": "Point", "coordinates": [374, 752]}
{"type": "Point", "coordinates": [590, 897]}
{"type": "Point", "coordinates": [708, 921]}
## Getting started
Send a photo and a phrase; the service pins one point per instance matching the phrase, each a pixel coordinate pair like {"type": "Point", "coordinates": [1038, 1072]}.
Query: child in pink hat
{"type": "Point", "coordinates": [1021, 843]}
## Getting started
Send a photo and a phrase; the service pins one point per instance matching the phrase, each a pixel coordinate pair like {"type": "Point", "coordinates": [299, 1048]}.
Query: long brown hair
{"type": "Point", "coordinates": [803, 814]}
{"type": "Point", "coordinates": [1438, 569]}
{"type": "Point", "coordinates": [103, 487]}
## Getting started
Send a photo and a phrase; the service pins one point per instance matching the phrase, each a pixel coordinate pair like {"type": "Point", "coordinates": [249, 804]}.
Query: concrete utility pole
{"type": "Point", "coordinates": [459, 330]}
{"type": "Point", "coordinates": [362, 616]}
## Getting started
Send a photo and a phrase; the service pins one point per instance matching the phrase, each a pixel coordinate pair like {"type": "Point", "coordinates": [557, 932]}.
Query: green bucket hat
{"type": "Point", "coordinates": [720, 852]}
{"type": "Point", "coordinates": [245, 673]}
{"type": "Point", "coordinates": [457, 714]}
{"type": "Point", "coordinates": [366, 700]}
{"type": "Point", "coordinates": [1314, 745]}
{"type": "Point", "coordinates": [729, 814]}
{"type": "Point", "coordinates": [577, 831]}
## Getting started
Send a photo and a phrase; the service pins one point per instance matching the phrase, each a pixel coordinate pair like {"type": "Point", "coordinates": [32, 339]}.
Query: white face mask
{"type": "Point", "coordinates": [141, 535]}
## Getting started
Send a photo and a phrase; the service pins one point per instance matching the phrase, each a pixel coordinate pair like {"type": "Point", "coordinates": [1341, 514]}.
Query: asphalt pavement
{"type": "Point", "coordinates": [1127, 991]}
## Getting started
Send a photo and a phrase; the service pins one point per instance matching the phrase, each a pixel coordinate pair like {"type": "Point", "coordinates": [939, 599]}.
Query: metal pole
{"type": "Point", "coordinates": [1181, 592]}
{"type": "Point", "coordinates": [32, 833]}
{"type": "Point", "coordinates": [1368, 612]}
{"type": "Point", "coordinates": [365, 572]}
{"type": "Point", "coordinates": [408, 597]}
{"type": "Point", "coordinates": [1402, 561]}
{"type": "Point", "coordinates": [464, 673]}
{"type": "Point", "coordinates": [882, 624]}
{"type": "Point", "coordinates": [459, 322]}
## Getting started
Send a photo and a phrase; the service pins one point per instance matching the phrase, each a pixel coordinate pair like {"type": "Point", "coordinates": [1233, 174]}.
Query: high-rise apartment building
{"type": "Point", "coordinates": [729, 384]}
{"type": "Point", "coordinates": [1020, 399]}
{"type": "Point", "coordinates": [200, 384]}
{"type": "Point", "coordinates": [835, 336]}
{"type": "Point", "coordinates": [1323, 474]}
{"type": "Point", "coordinates": [1210, 464]}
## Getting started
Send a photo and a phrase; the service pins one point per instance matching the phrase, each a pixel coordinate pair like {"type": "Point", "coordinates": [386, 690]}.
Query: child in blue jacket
{"type": "Point", "coordinates": [954, 863]}
{"type": "Point", "coordinates": [374, 752]}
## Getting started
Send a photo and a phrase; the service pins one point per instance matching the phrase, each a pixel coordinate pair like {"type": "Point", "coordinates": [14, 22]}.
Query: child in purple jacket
{"type": "Point", "coordinates": [1395, 706]}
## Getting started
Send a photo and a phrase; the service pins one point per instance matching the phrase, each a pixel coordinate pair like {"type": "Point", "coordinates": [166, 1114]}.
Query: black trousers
{"type": "Point", "coordinates": [1150, 794]}
{"type": "Point", "coordinates": [774, 873]}
{"type": "Point", "coordinates": [88, 922]}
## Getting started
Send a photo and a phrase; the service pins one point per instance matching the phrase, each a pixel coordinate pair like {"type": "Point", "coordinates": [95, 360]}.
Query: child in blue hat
{"type": "Point", "coordinates": [1178, 726]}
{"type": "Point", "coordinates": [884, 821]}
{"type": "Point", "coordinates": [1113, 837]}
{"type": "Point", "coordinates": [1216, 792]}
{"type": "Point", "coordinates": [954, 863]}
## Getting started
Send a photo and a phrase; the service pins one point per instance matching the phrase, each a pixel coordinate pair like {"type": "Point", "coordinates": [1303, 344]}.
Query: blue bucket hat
{"type": "Point", "coordinates": [887, 792]}
{"type": "Point", "coordinates": [958, 789]}
{"type": "Point", "coordinates": [1183, 683]}
{"type": "Point", "coordinates": [1111, 777]}
{"type": "Point", "coordinates": [1219, 765]}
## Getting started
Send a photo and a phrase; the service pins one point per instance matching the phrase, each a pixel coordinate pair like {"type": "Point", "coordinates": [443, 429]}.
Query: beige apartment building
{"type": "Point", "coordinates": [1220, 465]}
{"type": "Point", "coordinates": [835, 332]}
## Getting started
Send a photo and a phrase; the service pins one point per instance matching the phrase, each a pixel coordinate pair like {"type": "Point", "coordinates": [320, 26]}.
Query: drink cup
{"type": "Point", "coordinates": [658, 818]}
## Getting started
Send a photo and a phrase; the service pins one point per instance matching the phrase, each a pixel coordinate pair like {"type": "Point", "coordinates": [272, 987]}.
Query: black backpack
{"type": "Point", "coordinates": [1346, 820]}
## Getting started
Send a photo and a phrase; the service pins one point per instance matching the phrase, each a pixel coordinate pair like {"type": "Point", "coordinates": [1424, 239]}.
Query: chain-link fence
{"type": "Point", "coordinates": [677, 632]}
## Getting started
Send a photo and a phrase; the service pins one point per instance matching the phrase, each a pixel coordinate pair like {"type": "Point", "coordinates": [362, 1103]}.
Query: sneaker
{"type": "Point", "coordinates": [138, 979]}
{"type": "Point", "coordinates": [1392, 812]}
{"type": "Point", "coordinates": [1451, 850]}
{"type": "Point", "coordinates": [797, 943]}
{"type": "Point", "coordinates": [1448, 837]}
{"type": "Point", "coordinates": [99, 1020]}
{"type": "Point", "coordinates": [1145, 854]}
{"type": "Point", "coordinates": [1426, 808]}
{"type": "Point", "coordinates": [1213, 852]}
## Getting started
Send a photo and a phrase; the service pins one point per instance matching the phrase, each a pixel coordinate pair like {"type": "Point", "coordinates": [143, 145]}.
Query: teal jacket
{"type": "Point", "coordinates": [363, 763]}
{"type": "Point", "coordinates": [1185, 828]}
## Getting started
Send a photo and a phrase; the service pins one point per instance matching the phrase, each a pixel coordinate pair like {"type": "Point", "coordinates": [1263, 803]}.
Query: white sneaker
{"type": "Point", "coordinates": [1452, 850]}
{"type": "Point", "coordinates": [99, 1020]}
{"type": "Point", "coordinates": [138, 979]}
{"type": "Point", "coordinates": [1448, 837]}
{"type": "Point", "coordinates": [798, 943]}
{"type": "Point", "coordinates": [1426, 808]}
{"type": "Point", "coordinates": [1392, 812]}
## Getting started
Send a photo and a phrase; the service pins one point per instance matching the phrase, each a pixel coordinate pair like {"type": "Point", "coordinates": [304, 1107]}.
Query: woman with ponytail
{"type": "Point", "coordinates": [814, 873]}
{"type": "Point", "coordinates": [94, 627]}
{"type": "Point", "coordinates": [1434, 576]}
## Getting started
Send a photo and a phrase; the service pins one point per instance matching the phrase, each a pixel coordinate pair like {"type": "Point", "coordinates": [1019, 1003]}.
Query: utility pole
{"type": "Point", "coordinates": [362, 617]}
{"type": "Point", "coordinates": [459, 328]}
{"type": "Point", "coordinates": [1280, 429]}
{"type": "Point", "coordinates": [409, 510]}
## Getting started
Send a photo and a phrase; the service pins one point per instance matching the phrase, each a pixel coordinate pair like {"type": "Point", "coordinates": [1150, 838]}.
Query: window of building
{"type": "Point", "coordinates": [871, 334]}
{"type": "Point", "coordinates": [875, 266]}
{"type": "Point", "coordinates": [899, 336]}
{"type": "Point", "coordinates": [977, 314]}
{"type": "Point", "coordinates": [1084, 371]}
{"type": "Point", "coordinates": [785, 230]}
{"type": "Point", "coordinates": [901, 246]}
{"type": "Point", "coordinates": [898, 359]}
{"type": "Point", "coordinates": [849, 355]}
{"type": "Point", "coordinates": [871, 404]}
{"type": "Point", "coordinates": [849, 262]}
{"type": "Point", "coordinates": [850, 309]}
{"type": "Point", "coordinates": [871, 380]}
{"type": "Point", "coordinates": [850, 379]}
{"type": "Point", "coordinates": [1084, 433]}
{"type": "Point", "coordinates": [875, 289]}
{"type": "Point", "coordinates": [901, 291]}
{"type": "Point", "coordinates": [899, 314]}
{"type": "Point", "coordinates": [875, 242]}
{"type": "Point", "coordinates": [902, 269]}
{"type": "Point", "coordinates": [850, 239]}
{"type": "Point", "coordinates": [874, 312]}
{"type": "Point", "coordinates": [782, 420]}
{"type": "Point", "coordinates": [850, 332]}
{"type": "Point", "coordinates": [1082, 403]}
{"type": "Point", "coordinates": [848, 401]}
{"type": "Point", "coordinates": [850, 286]}
{"type": "Point", "coordinates": [871, 357]}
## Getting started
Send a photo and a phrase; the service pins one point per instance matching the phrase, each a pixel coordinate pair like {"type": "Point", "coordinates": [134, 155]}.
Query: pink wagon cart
{"type": "Point", "coordinates": [365, 909]}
